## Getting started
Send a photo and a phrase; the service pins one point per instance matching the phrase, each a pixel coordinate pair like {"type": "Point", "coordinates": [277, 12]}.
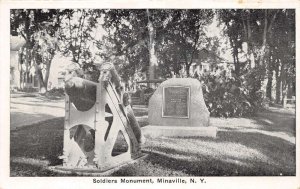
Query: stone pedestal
{"type": "Point", "coordinates": [182, 131]}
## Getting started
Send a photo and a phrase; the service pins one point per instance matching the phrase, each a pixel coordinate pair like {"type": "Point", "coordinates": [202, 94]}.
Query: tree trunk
{"type": "Point", "coordinates": [269, 84]}
{"type": "Point", "coordinates": [270, 72]}
{"type": "Point", "coordinates": [20, 63]}
{"type": "Point", "coordinates": [26, 65]}
{"type": "Point", "coordinates": [289, 90]}
{"type": "Point", "coordinates": [283, 83]}
{"type": "Point", "coordinates": [284, 91]}
{"type": "Point", "coordinates": [237, 63]}
{"type": "Point", "coordinates": [47, 76]}
{"type": "Point", "coordinates": [250, 54]}
{"type": "Point", "coordinates": [262, 54]}
{"type": "Point", "coordinates": [21, 79]}
{"type": "Point", "coordinates": [187, 69]}
{"type": "Point", "coordinates": [42, 84]}
{"type": "Point", "coordinates": [148, 78]}
{"type": "Point", "coordinates": [152, 56]}
{"type": "Point", "coordinates": [278, 86]}
{"type": "Point", "coordinates": [247, 37]}
{"type": "Point", "coordinates": [233, 44]}
{"type": "Point", "coordinates": [176, 67]}
{"type": "Point", "coordinates": [41, 80]}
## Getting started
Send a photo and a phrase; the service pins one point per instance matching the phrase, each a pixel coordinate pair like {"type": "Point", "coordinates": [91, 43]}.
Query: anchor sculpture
{"type": "Point", "coordinates": [100, 130]}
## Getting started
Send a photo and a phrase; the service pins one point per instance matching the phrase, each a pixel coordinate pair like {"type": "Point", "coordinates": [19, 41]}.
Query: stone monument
{"type": "Point", "coordinates": [177, 108]}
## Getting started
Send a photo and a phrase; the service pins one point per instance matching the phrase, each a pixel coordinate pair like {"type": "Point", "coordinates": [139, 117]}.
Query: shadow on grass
{"type": "Point", "coordinates": [17, 119]}
{"type": "Point", "coordinates": [231, 154]}
{"type": "Point", "coordinates": [281, 152]}
{"type": "Point", "coordinates": [277, 121]}
{"type": "Point", "coordinates": [206, 166]}
{"type": "Point", "coordinates": [24, 169]}
{"type": "Point", "coordinates": [43, 140]}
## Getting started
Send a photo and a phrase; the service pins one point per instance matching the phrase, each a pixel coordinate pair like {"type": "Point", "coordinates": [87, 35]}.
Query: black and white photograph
{"type": "Point", "coordinates": [152, 95]}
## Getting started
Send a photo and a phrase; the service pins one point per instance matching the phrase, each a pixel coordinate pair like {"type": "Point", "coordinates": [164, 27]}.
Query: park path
{"type": "Point", "coordinates": [26, 110]}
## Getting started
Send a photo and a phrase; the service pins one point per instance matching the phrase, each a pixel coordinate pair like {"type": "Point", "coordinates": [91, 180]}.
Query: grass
{"type": "Point", "coordinates": [243, 147]}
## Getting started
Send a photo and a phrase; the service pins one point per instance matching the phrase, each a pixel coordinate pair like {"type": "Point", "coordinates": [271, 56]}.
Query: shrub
{"type": "Point", "coordinates": [230, 96]}
{"type": "Point", "coordinates": [30, 89]}
{"type": "Point", "coordinates": [137, 93]}
{"type": "Point", "coordinates": [147, 94]}
{"type": "Point", "coordinates": [149, 91]}
{"type": "Point", "coordinates": [55, 92]}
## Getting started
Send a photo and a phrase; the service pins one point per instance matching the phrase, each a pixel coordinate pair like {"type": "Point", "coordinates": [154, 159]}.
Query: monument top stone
{"type": "Point", "coordinates": [178, 102]}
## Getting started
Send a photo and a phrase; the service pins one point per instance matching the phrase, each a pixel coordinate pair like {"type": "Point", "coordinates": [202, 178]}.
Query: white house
{"type": "Point", "coordinates": [207, 61]}
{"type": "Point", "coordinates": [21, 75]}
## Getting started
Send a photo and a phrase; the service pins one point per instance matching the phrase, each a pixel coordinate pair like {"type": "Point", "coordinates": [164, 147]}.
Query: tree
{"type": "Point", "coordinates": [30, 24]}
{"type": "Point", "coordinates": [282, 53]}
{"type": "Point", "coordinates": [268, 35]}
{"type": "Point", "coordinates": [130, 33]}
{"type": "Point", "coordinates": [43, 53]}
{"type": "Point", "coordinates": [183, 34]}
{"type": "Point", "coordinates": [77, 34]}
{"type": "Point", "coordinates": [165, 38]}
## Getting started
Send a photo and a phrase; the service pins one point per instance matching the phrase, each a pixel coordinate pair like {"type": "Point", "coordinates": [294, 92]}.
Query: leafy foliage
{"type": "Point", "coordinates": [181, 36]}
{"type": "Point", "coordinates": [39, 28]}
{"type": "Point", "coordinates": [127, 42]}
{"type": "Point", "coordinates": [266, 37]}
{"type": "Point", "coordinates": [176, 36]}
{"type": "Point", "coordinates": [55, 93]}
{"type": "Point", "coordinates": [76, 34]}
{"type": "Point", "coordinates": [165, 40]}
{"type": "Point", "coordinates": [229, 96]}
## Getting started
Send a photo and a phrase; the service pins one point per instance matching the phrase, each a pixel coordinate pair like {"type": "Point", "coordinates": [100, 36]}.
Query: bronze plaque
{"type": "Point", "coordinates": [176, 100]}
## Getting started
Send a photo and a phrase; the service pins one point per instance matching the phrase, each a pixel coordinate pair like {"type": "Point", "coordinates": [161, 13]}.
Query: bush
{"type": "Point", "coordinates": [229, 96]}
{"type": "Point", "coordinates": [149, 91]}
{"type": "Point", "coordinates": [30, 89]}
{"type": "Point", "coordinates": [147, 94]}
{"type": "Point", "coordinates": [55, 92]}
{"type": "Point", "coordinates": [137, 93]}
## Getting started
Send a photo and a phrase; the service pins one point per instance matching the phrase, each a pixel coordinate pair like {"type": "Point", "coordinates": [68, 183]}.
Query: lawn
{"type": "Point", "coordinates": [263, 145]}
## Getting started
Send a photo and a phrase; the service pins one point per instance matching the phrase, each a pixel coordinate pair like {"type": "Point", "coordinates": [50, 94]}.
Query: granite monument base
{"type": "Point", "coordinates": [154, 131]}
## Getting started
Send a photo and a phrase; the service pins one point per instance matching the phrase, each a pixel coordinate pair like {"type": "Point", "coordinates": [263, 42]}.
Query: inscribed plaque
{"type": "Point", "coordinates": [176, 102]}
